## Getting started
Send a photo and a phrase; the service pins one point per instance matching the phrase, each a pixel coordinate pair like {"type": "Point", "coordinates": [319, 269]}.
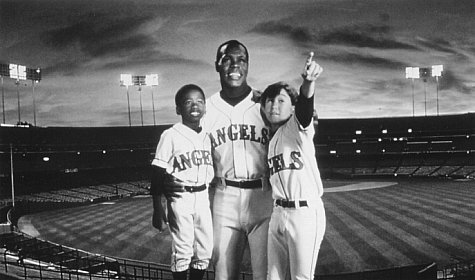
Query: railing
{"type": "Point", "coordinates": [53, 261]}
{"type": "Point", "coordinates": [34, 258]}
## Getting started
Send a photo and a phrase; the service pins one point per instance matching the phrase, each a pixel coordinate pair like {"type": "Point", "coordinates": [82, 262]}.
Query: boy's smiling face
{"type": "Point", "coordinates": [192, 108]}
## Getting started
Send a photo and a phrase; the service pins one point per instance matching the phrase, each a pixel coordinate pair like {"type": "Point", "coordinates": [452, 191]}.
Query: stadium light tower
{"type": "Point", "coordinates": [152, 80]}
{"type": "Point", "coordinates": [412, 73]}
{"type": "Point", "coordinates": [437, 72]}
{"type": "Point", "coordinates": [126, 81]}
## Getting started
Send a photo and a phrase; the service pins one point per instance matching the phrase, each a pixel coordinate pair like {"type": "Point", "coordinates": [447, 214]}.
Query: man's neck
{"type": "Point", "coordinates": [233, 96]}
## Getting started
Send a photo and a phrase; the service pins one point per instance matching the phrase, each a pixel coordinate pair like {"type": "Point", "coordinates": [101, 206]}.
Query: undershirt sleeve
{"type": "Point", "coordinates": [304, 110]}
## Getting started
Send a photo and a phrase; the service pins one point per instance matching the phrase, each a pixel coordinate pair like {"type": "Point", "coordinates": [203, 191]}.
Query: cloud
{"type": "Point", "coordinates": [450, 81]}
{"type": "Point", "coordinates": [297, 34]}
{"type": "Point", "coordinates": [437, 44]}
{"type": "Point", "coordinates": [364, 59]}
{"type": "Point", "coordinates": [98, 35]}
{"type": "Point", "coordinates": [366, 35]}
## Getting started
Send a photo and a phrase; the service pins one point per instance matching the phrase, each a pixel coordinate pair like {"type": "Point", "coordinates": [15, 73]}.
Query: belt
{"type": "Point", "coordinates": [291, 203]}
{"type": "Point", "coordinates": [195, 188]}
{"type": "Point", "coordinates": [252, 184]}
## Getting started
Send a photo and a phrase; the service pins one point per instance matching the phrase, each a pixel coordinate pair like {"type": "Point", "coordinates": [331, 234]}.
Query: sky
{"type": "Point", "coordinates": [364, 46]}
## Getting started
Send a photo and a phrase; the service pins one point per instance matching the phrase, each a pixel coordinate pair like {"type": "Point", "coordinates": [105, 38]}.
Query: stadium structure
{"type": "Point", "coordinates": [42, 168]}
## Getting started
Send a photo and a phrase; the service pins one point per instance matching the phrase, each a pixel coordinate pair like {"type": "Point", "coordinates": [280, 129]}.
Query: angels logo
{"type": "Point", "coordinates": [278, 162]}
{"type": "Point", "coordinates": [190, 159]}
{"type": "Point", "coordinates": [236, 132]}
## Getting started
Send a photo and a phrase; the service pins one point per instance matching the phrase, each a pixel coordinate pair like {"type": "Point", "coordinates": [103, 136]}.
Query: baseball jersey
{"type": "Point", "coordinates": [239, 138]}
{"type": "Point", "coordinates": [185, 154]}
{"type": "Point", "coordinates": [294, 173]}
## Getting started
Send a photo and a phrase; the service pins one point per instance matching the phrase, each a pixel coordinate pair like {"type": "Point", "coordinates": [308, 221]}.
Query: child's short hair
{"type": "Point", "coordinates": [273, 90]}
{"type": "Point", "coordinates": [180, 94]}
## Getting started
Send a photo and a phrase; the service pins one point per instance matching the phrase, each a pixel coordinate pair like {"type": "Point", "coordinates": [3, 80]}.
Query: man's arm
{"type": "Point", "coordinates": [166, 184]}
{"type": "Point", "coordinates": [158, 215]}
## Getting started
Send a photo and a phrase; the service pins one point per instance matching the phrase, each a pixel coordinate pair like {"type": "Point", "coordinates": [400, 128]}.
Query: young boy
{"type": "Point", "coordinates": [298, 220]}
{"type": "Point", "coordinates": [184, 154]}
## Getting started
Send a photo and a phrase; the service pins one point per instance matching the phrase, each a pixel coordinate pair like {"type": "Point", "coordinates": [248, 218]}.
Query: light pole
{"type": "Point", "coordinates": [141, 110]}
{"type": "Point", "coordinates": [153, 109]}
{"type": "Point", "coordinates": [35, 76]}
{"type": "Point", "coordinates": [437, 72]}
{"type": "Point", "coordinates": [3, 101]}
{"type": "Point", "coordinates": [34, 102]}
{"type": "Point", "coordinates": [152, 80]}
{"type": "Point", "coordinates": [139, 81]}
{"type": "Point", "coordinates": [126, 81]}
{"type": "Point", "coordinates": [412, 73]}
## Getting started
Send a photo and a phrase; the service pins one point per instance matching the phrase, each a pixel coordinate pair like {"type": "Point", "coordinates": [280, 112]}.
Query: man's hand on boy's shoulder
{"type": "Point", "coordinates": [172, 186]}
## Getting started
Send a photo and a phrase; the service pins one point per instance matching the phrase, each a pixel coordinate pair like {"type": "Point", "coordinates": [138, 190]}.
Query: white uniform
{"type": "Point", "coordinates": [298, 220]}
{"type": "Point", "coordinates": [186, 155]}
{"type": "Point", "coordinates": [239, 139]}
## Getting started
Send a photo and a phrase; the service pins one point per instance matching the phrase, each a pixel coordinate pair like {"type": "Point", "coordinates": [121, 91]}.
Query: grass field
{"type": "Point", "coordinates": [405, 222]}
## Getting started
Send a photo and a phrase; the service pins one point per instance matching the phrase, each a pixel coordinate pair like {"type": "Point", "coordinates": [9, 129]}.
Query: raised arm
{"type": "Point", "coordinates": [304, 108]}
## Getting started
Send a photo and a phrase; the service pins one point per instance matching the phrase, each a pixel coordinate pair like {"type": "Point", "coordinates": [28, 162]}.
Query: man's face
{"type": "Point", "coordinates": [233, 67]}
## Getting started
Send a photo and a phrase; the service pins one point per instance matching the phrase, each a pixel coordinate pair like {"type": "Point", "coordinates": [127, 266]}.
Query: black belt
{"type": "Point", "coordinates": [291, 203]}
{"type": "Point", "coordinates": [195, 188]}
{"type": "Point", "coordinates": [252, 184]}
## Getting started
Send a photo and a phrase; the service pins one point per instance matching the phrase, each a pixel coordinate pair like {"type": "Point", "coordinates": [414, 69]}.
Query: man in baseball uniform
{"type": "Point", "coordinates": [184, 154]}
{"type": "Point", "coordinates": [298, 220]}
{"type": "Point", "coordinates": [242, 201]}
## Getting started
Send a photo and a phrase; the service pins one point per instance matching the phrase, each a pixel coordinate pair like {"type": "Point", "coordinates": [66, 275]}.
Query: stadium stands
{"type": "Point", "coordinates": [54, 167]}
{"type": "Point", "coordinates": [52, 157]}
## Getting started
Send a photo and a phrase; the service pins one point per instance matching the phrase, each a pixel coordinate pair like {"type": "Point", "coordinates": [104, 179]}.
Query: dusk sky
{"type": "Point", "coordinates": [82, 47]}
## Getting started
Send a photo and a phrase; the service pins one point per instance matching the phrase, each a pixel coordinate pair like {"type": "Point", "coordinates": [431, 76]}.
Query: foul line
{"type": "Point", "coordinates": [360, 186]}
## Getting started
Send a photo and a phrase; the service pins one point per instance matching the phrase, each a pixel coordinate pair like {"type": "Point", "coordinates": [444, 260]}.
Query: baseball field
{"type": "Point", "coordinates": [371, 224]}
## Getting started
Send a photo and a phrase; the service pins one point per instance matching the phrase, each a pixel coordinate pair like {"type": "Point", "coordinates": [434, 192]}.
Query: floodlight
{"type": "Point", "coordinates": [437, 70]}
{"type": "Point", "coordinates": [126, 80]}
{"type": "Point", "coordinates": [151, 80]}
{"type": "Point", "coordinates": [21, 72]}
{"type": "Point", "coordinates": [13, 71]}
{"type": "Point", "coordinates": [425, 72]}
{"type": "Point", "coordinates": [138, 81]}
{"type": "Point", "coordinates": [412, 73]}
{"type": "Point", "coordinates": [4, 70]}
